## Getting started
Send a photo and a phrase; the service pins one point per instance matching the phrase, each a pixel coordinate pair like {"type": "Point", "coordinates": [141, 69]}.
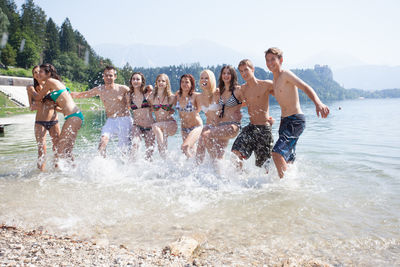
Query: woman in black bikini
{"type": "Point", "coordinates": [46, 118]}
{"type": "Point", "coordinates": [191, 123]}
{"type": "Point", "coordinates": [142, 115]}
{"type": "Point", "coordinates": [162, 101]}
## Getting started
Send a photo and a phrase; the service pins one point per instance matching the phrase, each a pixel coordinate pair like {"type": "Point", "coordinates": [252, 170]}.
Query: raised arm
{"type": "Point", "coordinates": [87, 94]}
{"type": "Point", "coordinates": [46, 88]}
{"type": "Point", "coordinates": [30, 90]}
{"type": "Point", "coordinates": [320, 107]}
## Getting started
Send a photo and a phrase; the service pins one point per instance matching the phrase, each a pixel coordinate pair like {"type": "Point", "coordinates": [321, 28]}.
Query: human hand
{"type": "Point", "coordinates": [322, 110]}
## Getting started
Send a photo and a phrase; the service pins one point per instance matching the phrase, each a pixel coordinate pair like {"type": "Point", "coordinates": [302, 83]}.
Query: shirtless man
{"type": "Point", "coordinates": [114, 97]}
{"type": "Point", "coordinates": [292, 118]}
{"type": "Point", "coordinates": [257, 135]}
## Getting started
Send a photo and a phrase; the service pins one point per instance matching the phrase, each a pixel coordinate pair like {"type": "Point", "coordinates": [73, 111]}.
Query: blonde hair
{"type": "Point", "coordinates": [167, 90]}
{"type": "Point", "coordinates": [211, 79]}
{"type": "Point", "coordinates": [246, 62]}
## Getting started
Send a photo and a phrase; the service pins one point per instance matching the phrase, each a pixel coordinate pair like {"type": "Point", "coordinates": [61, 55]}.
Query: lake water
{"type": "Point", "coordinates": [340, 202]}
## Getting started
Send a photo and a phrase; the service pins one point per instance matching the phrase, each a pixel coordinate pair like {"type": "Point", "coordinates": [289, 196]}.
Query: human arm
{"type": "Point", "coordinates": [320, 107]}
{"type": "Point", "coordinates": [87, 94]}
{"type": "Point", "coordinates": [31, 92]}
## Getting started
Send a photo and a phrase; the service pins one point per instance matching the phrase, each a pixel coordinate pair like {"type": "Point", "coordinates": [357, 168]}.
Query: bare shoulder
{"type": "Point", "coordinates": [287, 74]}
{"type": "Point", "coordinates": [266, 84]}
{"type": "Point", "coordinates": [123, 87]}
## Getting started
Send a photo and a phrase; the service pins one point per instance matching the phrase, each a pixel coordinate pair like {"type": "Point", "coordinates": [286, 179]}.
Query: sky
{"type": "Point", "coordinates": [353, 32]}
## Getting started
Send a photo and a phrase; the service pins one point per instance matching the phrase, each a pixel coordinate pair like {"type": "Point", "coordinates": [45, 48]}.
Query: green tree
{"type": "Point", "coordinates": [4, 23]}
{"type": "Point", "coordinates": [33, 22]}
{"type": "Point", "coordinates": [8, 56]}
{"type": "Point", "coordinates": [126, 73]}
{"type": "Point", "coordinates": [29, 55]}
{"type": "Point", "coordinates": [52, 45]}
{"type": "Point", "coordinates": [67, 37]}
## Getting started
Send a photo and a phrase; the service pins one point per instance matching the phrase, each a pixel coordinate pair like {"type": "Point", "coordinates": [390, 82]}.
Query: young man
{"type": "Point", "coordinates": [292, 118]}
{"type": "Point", "coordinates": [257, 135]}
{"type": "Point", "coordinates": [114, 97]}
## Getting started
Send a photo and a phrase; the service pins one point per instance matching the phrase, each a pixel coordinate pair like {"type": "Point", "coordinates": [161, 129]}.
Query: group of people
{"type": "Point", "coordinates": [221, 101]}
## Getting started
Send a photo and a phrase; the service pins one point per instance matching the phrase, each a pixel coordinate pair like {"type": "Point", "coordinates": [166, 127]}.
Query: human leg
{"type": "Point", "coordinates": [68, 136]}
{"type": "Point", "coordinates": [40, 135]}
{"type": "Point", "coordinates": [188, 146]}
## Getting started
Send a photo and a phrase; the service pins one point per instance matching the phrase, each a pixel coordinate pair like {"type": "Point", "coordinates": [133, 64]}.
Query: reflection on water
{"type": "Point", "coordinates": [339, 202]}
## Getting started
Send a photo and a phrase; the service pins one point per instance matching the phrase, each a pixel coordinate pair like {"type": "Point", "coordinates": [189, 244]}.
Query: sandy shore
{"type": "Point", "coordinates": [37, 248]}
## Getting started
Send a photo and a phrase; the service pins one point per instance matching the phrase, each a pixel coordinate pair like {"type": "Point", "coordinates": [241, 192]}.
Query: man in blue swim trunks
{"type": "Point", "coordinates": [285, 86]}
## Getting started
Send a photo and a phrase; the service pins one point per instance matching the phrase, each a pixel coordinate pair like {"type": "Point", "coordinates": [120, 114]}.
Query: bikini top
{"type": "Point", "coordinates": [189, 106]}
{"type": "Point", "coordinates": [53, 95]}
{"type": "Point", "coordinates": [166, 107]}
{"type": "Point", "coordinates": [145, 104]}
{"type": "Point", "coordinates": [211, 107]}
{"type": "Point", "coordinates": [231, 102]}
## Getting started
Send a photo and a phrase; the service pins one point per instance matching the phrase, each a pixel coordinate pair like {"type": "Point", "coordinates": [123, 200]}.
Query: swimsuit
{"type": "Point", "coordinates": [189, 106]}
{"type": "Point", "coordinates": [257, 138]}
{"type": "Point", "coordinates": [290, 129]}
{"type": "Point", "coordinates": [142, 129]}
{"type": "Point", "coordinates": [47, 124]}
{"type": "Point", "coordinates": [211, 107]}
{"type": "Point", "coordinates": [53, 95]}
{"type": "Point", "coordinates": [231, 102]}
{"type": "Point", "coordinates": [145, 104]}
{"type": "Point", "coordinates": [75, 114]}
{"type": "Point", "coordinates": [164, 107]}
{"type": "Point", "coordinates": [188, 130]}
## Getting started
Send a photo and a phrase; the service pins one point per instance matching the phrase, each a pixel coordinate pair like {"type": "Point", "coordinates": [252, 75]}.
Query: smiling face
{"type": "Point", "coordinates": [246, 72]}
{"type": "Point", "coordinates": [204, 81]}
{"type": "Point", "coordinates": [109, 77]}
{"type": "Point", "coordinates": [186, 85]}
{"type": "Point", "coordinates": [43, 76]}
{"type": "Point", "coordinates": [273, 62]}
{"type": "Point", "coordinates": [136, 81]}
{"type": "Point", "coordinates": [226, 75]}
{"type": "Point", "coordinates": [162, 82]}
{"type": "Point", "coordinates": [36, 73]}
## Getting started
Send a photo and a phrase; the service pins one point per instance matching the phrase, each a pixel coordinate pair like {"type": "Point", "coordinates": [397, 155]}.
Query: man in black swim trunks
{"type": "Point", "coordinates": [257, 135]}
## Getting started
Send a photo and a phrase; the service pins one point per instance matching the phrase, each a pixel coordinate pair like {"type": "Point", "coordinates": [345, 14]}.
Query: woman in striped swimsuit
{"type": "Point", "coordinates": [228, 125]}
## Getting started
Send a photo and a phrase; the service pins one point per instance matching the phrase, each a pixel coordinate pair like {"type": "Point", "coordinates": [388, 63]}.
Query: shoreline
{"type": "Point", "coordinates": [37, 247]}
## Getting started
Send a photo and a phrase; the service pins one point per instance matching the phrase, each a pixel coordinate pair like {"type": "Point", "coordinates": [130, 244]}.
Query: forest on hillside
{"type": "Point", "coordinates": [29, 38]}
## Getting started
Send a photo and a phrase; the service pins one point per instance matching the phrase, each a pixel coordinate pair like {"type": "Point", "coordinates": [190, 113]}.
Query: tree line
{"type": "Point", "coordinates": [29, 38]}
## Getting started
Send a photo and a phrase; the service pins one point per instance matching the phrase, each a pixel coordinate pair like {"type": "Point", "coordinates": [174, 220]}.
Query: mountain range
{"type": "Point", "coordinates": [348, 71]}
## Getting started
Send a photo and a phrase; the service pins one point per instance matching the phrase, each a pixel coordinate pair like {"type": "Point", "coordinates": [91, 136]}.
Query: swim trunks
{"type": "Point", "coordinates": [121, 126]}
{"type": "Point", "coordinates": [290, 129]}
{"type": "Point", "coordinates": [257, 138]}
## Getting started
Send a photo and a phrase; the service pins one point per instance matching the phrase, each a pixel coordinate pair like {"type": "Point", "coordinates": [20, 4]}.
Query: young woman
{"type": "Point", "coordinates": [142, 115]}
{"type": "Point", "coordinates": [208, 102]}
{"type": "Point", "coordinates": [187, 106]}
{"type": "Point", "coordinates": [46, 118]}
{"type": "Point", "coordinates": [162, 101]}
{"type": "Point", "coordinates": [58, 93]}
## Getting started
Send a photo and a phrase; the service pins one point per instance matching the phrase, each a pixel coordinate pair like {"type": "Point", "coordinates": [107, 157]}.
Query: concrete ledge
{"type": "Point", "coordinates": [15, 81]}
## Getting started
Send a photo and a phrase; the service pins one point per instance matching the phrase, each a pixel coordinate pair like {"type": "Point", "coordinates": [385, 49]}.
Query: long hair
{"type": "Point", "coordinates": [234, 80]}
{"type": "Point", "coordinates": [192, 81]}
{"type": "Point", "coordinates": [211, 79]}
{"type": "Point", "coordinates": [142, 90]}
{"type": "Point", "coordinates": [48, 68]}
{"type": "Point", "coordinates": [35, 82]}
{"type": "Point", "coordinates": [167, 91]}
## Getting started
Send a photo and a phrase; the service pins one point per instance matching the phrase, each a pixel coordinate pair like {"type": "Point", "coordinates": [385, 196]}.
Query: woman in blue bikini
{"type": "Point", "coordinates": [162, 101]}
{"type": "Point", "coordinates": [55, 90]}
{"type": "Point", "coordinates": [142, 116]}
{"type": "Point", "coordinates": [46, 119]}
{"type": "Point", "coordinates": [191, 123]}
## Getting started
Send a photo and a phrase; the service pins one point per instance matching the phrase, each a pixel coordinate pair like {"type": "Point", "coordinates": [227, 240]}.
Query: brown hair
{"type": "Point", "coordinates": [192, 81]}
{"type": "Point", "coordinates": [142, 90]}
{"type": "Point", "coordinates": [232, 84]}
{"type": "Point", "coordinates": [246, 62]}
{"type": "Point", "coordinates": [35, 82]}
{"type": "Point", "coordinates": [110, 68]}
{"type": "Point", "coordinates": [48, 68]}
{"type": "Point", "coordinates": [275, 51]}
